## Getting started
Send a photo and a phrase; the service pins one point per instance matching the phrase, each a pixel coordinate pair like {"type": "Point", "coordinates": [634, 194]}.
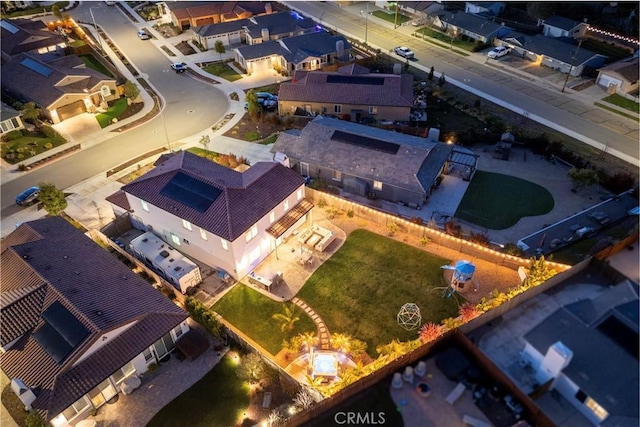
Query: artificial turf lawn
{"type": "Point", "coordinates": [250, 311]}
{"type": "Point", "coordinates": [361, 288]}
{"type": "Point", "coordinates": [114, 111]}
{"type": "Point", "coordinates": [498, 201]}
{"type": "Point", "coordinates": [218, 399]}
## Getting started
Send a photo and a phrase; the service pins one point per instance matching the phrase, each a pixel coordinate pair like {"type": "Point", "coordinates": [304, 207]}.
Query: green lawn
{"type": "Point", "coordinates": [218, 399]}
{"type": "Point", "coordinates": [221, 69]}
{"type": "Point", "coordinates": [114, 111]}
{"type": "Point", "coordinates": [391, 16]}
{"type": "Point", "coordinates": [91, 62]}
{"type": "Point", "coordinates": [445, 39]}
{"type": "Point", "coordinates": [250, 311]}
{"type": "Point", "coordinates": [35, 9]}
{"type": "Point", "coordinates": [24, 144]}
{"type": "Point", "coordinates": [498, 201]}
{"type": "Point", "coordinates": [621, 101]}
{"type": "Point", "coordinates": [361, 288]}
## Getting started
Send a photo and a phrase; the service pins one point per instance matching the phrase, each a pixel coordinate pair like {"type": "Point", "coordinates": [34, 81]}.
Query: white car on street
{"type": "Point", "coordinates": [179, 67]}
{"type": "Point", "coordinates": [403, 51]}
{"type": "Point", "coordinates": [499, 51]}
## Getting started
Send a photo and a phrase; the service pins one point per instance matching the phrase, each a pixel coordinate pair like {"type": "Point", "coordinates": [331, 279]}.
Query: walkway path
{"type": "Point", "coordinates": [323, 331]}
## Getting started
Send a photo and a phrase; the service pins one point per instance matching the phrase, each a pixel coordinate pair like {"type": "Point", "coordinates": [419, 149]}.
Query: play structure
{"type": "Point", "coordinates": [462, 274]}
{"type": "Point", "coordinates": [409, 316]}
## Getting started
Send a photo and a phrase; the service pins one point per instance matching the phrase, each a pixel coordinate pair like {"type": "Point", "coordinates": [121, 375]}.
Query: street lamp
{"type": "Point", "coordinates": [96, 27]}
{"type": "Point", "coordinates": [166, 134]}
{"type": "Point", "coordinates": [573, 60]}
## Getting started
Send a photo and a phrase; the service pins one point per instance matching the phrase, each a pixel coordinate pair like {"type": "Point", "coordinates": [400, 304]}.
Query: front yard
{"type": "Point", "coordinates": [498, 201]}
{"type": "Point", "coordinates": [221, 69]}
{"type": "Point", "coordinates": [19, 145]}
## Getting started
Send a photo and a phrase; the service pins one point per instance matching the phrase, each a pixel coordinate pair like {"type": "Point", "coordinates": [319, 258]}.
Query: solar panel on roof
{"type": "Point", "coordinates": [52, 342]}
{"type": "Point", "coordinates": [365, 141]}
{"type": "Point", "coordinates": [9, 26]}
{"type": "Point", "coordinates": [356, 80]}
{"type": "Point", "coordinates": [191, 192]}
{"type": "Point", "coordinates": [65, 323]}
{"type": "Point", "coordinates": [39, 68]}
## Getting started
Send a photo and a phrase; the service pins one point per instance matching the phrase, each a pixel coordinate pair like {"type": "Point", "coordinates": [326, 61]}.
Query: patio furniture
{"type": "Point", "coordinates": [259, 281]}
{"type": "Point", "coordinates": [397, 380]}
{"type": "Point", "coordinates": [408, 374]}
{"type": "Point", "coordinates": [304, 236]}
{"type": "Point", "coordinates": [313, 240]}
{"type": "Point", "coordinates": [455, 393]}
{"type": "Point", "coordinates": [130, 384]}
{"type": "Point", "coordinates": [420, 369]}
{"type": "Point", "coordinates": [304, 258]}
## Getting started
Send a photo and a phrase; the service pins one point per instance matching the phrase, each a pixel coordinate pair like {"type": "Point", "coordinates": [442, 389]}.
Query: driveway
{"type": "Point", "coordinates": [78, 128]}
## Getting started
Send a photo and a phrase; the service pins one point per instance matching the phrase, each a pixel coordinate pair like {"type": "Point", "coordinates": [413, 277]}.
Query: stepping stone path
{"type": "Point", "coordinates": [323, 332]}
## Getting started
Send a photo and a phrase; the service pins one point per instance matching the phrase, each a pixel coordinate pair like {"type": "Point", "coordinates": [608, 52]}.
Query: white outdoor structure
{"type": "Point", "coordinates": [409, 316]}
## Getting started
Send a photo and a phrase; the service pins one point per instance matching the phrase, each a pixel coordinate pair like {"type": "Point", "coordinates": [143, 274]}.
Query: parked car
{"type": "Point", "coordinates": [179, 67]}
{"type": "Point", "coordinates": [143, 35]}
{"type": "Point", "coordinates": [266, 100]}
{"type": "Point", "coordinates": [405, 52]}
{"type": "Point", "coordinates": [28, 197]}
{"type": "Point", "coordinates": [499, 51]}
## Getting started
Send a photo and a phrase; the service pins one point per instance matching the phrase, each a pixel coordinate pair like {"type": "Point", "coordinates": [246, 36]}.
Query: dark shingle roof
{"type": "Point", "coordinates": [31, 35]}
{"type": "Point", "coordinates": [316, 145]}
{"type": "Point", "coordinates": [470, 22]}
{"type": "Point", "coordinates": [561, 22]}
{"type": "Point", "coordinates": [279, 24]}
{"type": "Point", "coordinates": [629, 69]}
{"type": "Point", "coordinates": [560, 48]}
{"type": "Point", "coordinates": [296, 49]}
{"type": "Point", "coordinates": [7, 112]}
{"type": "Point", "coordinates": [48, 262]}
{"type": "Point", "coordinates": [244, 198]}
{"type": "Point", "coordinates": [23, 82]}
{"type": "Point", "coordinates": [344, 88]}
{"type": "Point", "coordinates": [221, 28]}
{"type": "Point", "coordinates": [119, 198]}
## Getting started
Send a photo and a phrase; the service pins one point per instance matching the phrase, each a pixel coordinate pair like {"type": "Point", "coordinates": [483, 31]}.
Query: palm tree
{"type": "Point", "coordinates": [31, 113]}
{"type": "Point", "coordinates": [307, 339]}
{"type": "Point", "coordinates": [314, 382]}
{"type": "Point", "coordinates": [288, 317]}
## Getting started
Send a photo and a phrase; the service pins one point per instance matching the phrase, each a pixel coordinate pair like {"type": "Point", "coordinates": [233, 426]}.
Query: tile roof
{"type": "Point", "coordinates": [560, 48]}
{"type": "Point", "coordinates": [295, 49]}
{"type": "Point", "coordinates": [470, 22]}
{"type": "Point", "coordinates": [221, 28]}
{"type": "Point", "coordinates": [31, 35]}
{"type": "Point", "coordinates": [119, 198]}
{"type": "Point", "coordinates": [245, 197]}
{"type": "Point", "coordinates": [231, 9]}
{"type": "Point", "coordinates": [49, 261]}
{"type": "Point", "coordinates": [23, 82]}
{"type": "Point", "coordinates": [410, 168]}
{"type": "Point", "coordinates": [341, 87]}
{"type": "Point", "coordinates": [629, 69]}
{"type": "Point", "coordinates": [561, 22]}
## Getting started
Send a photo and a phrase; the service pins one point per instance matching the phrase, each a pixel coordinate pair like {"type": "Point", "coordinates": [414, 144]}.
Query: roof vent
{"type": "Point", "coordinates": [77, 273]}
{"type": "Point", "coordinates": [164, 254]}
{"type": "Point", "coordinates": [65, 257]}
{"type": "Point", "coordinates": [170, 259]}
{"type": "Point", "coordinates": [178, 268]}
{"type": "Point", "coordinates": [145, 240]}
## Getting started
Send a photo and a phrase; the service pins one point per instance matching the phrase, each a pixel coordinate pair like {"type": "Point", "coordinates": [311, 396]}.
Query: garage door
{"type": "Point", "coordinates": [71, 110]}
{"type": "Point", "coordinates": [261, 66]}
{"type": "Point", "coordinates": [607, 81]}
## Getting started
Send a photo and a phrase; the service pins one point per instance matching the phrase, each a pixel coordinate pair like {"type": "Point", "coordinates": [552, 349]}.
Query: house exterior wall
{"type": "Point", "coordinates": [318, 108]}
{"type": "Point", "coordinates": [238, 259]}
{"type": "Point", "coordinates": [13, 123]}
{"type": "Point", "coordinates": [568, 390]}
{"type": "Point", "coordinates": [227, 39]}
{"type": "Point", "coordinates": [623, 86]}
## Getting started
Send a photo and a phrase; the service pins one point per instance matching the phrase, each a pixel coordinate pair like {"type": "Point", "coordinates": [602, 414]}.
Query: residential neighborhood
{"type": "Point", "coordinates": [319, 213]}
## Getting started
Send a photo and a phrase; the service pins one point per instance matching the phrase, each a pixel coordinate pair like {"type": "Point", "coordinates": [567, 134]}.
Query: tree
{"type": "Point", "coordinates": [429, 332]}
{"type": "Point", "coordinates": [583, 177]}
{"type": "Point", "coordinates": [431, 71]}
{"type": "Point", "coordinates": [219, 48]}
{"type": "Point", "coordinates": [287, 318]}
{"type": "Point", "coordinates": [253, 107]}
{"type": "Point", "coordinates": [55, 10]}
{"type": "Point", "coordinates": [131, 90]}
{"type": "Point", "coordinates": [251, 368]}
{"type": "Point", "coordinates": [31, 113]}
{"type": "Point", "coordinates": [53, 200]}
{"type": "Point", "coordinates": [441, 80]}
{"type": "Point", "coordinates": [539, 272]}
{"type": "Point", "coordinates": [304, 399]}
{"type": "Point", "coordinates": [541, 10]}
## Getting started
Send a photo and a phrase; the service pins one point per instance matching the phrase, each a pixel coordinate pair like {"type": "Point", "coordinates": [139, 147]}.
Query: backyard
{"type": "Point", "coordinates": [251, 312]}
{"type": "Point", "coordinates": [361, 288]}
{"type": "Point", "coordinates": [498, 201]}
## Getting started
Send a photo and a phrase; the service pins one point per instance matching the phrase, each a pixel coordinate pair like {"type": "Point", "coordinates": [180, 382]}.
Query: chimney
{"type": "Point", "coordinates": [557, 358]}
{"type": "Point", "coordinates": [265, 35]}
{"type": "Point", "coordinates": [268, 9]}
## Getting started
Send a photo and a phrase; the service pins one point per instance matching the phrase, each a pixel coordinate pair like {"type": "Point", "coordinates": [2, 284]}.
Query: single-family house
{"type": "Point", "coordinates": [421, 9]}
{"type": "Point", "coordinates": [306, 52]}
{"type": "Point", "coordinates": [559, 26]}
{"type": "Point", "coordinates": [62, 88]}
{"type": "Point", "coordinates": [486, 8]}
{"type": "Point", "coordinates": [77, 324]}
{"type": "Point", "coordinates": [582, 346]}
{"type": "Point", "coordinates": [559, 53]}
{"type": "Point", "coordinates": [475, 27]}
{"type": "Point", "coordinates": [226, 219]}
{"type": "Point", "coordinates": [620, 77]}
{"type": "Point", "coordinates": [364, 160]}
{"type": "Point", "coordinates": [10, 119]}
{"type": "Point", "coordinates": [188, 14]}
{"type": "Point", "coordinates": [229, 33]}
{"type": "Point", "coordinates": [24, 35]}
{"type": "Point", "coordinates": [351, 91]}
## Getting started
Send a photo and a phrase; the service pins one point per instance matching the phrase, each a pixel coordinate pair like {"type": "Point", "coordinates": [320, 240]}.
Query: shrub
{"type": "Point", "coordinates": [14, 134]}
{"type": "Point", "coordinates": [350, 213]}
{"type": "Point", "coordinates": [425, 241]}
{"type": "Point", "coordinates": [393, 227]}
{"type": "Point", "coordinates": [417, 220]}
{"type": "Point", "coordinates": [479, 238]}
{"type": "Point", "coordinates": [22, 167]}
{"type": "Point", "coordinates": [49, 132]}
{"type": "Point", "coordinates": [452, 228]}
{"type": "Point", "coordinates": [48, 146]}
{"type": "Point", "coordinates": [20, 149]}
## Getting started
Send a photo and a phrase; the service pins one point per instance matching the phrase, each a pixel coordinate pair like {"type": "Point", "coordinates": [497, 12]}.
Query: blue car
{"type": "Point", "coordinates": [28, 196]}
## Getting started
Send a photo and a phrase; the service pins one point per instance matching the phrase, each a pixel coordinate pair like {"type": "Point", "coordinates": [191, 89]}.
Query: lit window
{"type": "Point", "coordinates": [186, 224]}
{"type": "Point", "coordinates": [336, 175]}
{"type": "Point", "coordinates": [337, 108]}
{"type": "Point", "coordinates": [597, 410]}
{"type": "Point", "coordinates": [377, 185]}
{"type": "Point", "coordinates": [203, 234]}
{"type": "Point", "coordinates": [224, 244]}
{"type": "Point", "coordinates": [299, 194]}
{"type": "Point", "coordinates": [373, 110]}
{"type": "Point", "coordinates": [272, 217]}
{"type": "Point", "coordinates": [175, 239]}
{"type": "Point", "coordinates": [285, 205]}
{"type": "Point", "coordinates": [252, 233]}
{"type": "Point", "coordinates": [145, 206]}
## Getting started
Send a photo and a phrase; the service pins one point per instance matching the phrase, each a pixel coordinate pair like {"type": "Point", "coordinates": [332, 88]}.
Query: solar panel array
{"type": "Point", "coordinates": [61, 332]}
{"type": "Point", "coordinates": [355, 80]}
{"type": "Point", "coordinates": [39, 68]}
{"type": "Point", "coordinates": [191, 192]}
{"type": "Point", "coordinates": [9, 26]}
{"type": "Point", "coordinates": [365, 141]}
